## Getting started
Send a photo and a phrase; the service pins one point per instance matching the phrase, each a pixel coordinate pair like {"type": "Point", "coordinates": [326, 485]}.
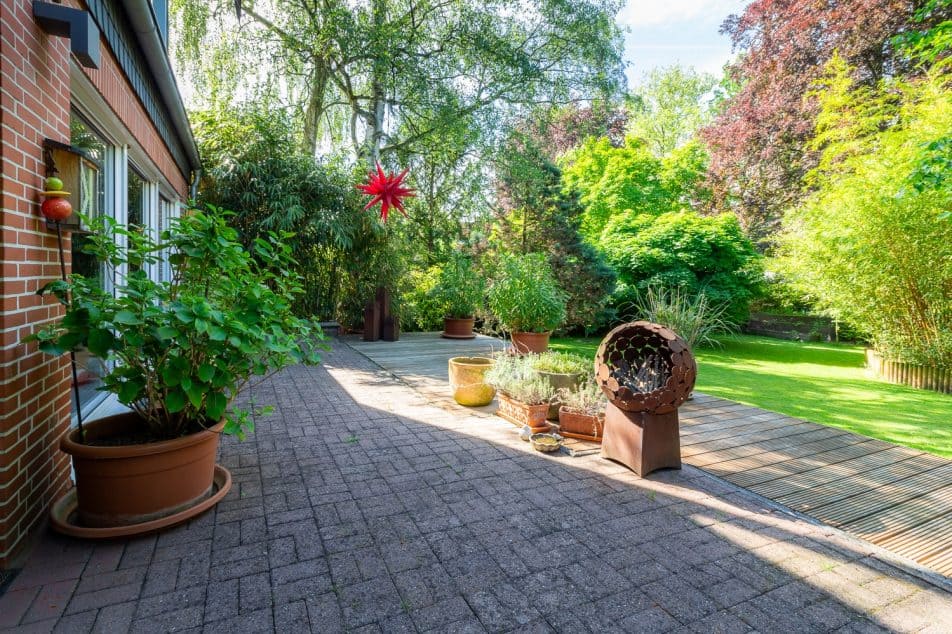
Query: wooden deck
{"type": "Point", "coordinates": [892, 496]}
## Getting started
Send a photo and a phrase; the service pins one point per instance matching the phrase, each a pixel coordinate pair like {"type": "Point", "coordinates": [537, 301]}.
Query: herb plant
{"type": "Point", "coordinates": [515, 377]}
{"type": "Point", "coordinates": [587, 399]}
{"type": "Point", "coordinates": [562, 363]}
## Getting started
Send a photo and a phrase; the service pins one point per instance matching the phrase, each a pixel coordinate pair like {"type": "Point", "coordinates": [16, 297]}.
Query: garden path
{"type": "Point", "coordinates": [362, 505]}
{"type": "Point", "coordinates": [892, 496]}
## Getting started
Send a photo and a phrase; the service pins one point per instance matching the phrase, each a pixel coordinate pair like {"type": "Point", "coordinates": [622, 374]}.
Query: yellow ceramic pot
{"type": "Point", "coordinates": [466, 380]}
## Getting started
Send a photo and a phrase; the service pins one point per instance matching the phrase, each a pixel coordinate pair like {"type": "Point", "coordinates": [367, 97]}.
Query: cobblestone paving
{"type": "Point", "coordinates": [361, 507]}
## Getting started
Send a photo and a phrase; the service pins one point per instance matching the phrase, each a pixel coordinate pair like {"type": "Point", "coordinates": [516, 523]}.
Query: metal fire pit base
{"type": "Point", "coordinates": [642, 441]}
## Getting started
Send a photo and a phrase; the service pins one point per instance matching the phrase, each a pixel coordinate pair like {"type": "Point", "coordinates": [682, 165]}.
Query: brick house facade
{"type": "Point", "coordinates": [145, 159]}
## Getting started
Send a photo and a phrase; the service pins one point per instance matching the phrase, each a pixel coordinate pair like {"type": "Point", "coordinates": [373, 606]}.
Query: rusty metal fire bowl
{"type": "Point", "coordinates": [647, 371]}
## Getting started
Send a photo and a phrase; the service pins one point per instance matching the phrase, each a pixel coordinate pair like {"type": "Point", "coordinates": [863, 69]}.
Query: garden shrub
{"type": "Point", "coordinates": [254, 168]}
{"type": "Point", "coordinates": [421, 311]}
{"type": "Point", "coordinates": [869, 242]}
{"type": "Point", "coordinates": [685, 251]}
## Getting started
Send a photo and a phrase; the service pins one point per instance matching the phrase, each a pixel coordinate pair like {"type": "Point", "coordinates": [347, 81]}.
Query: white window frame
{"type": "Point", "coordinates": [122, 150]}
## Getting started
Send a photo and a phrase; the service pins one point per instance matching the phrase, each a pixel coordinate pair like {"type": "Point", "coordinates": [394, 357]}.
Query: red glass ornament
{"type": "Point", "coordinates": [56, 209]}
{"type": "Point", "coordinates": [386, 189]}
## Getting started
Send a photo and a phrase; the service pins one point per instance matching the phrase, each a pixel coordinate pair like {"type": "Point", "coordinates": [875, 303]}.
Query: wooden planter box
{"type": "Point", "coordinates": [520, 414]}
{"type": "Point", "coordinates": [581, 426]}
{"type": "Point", "coordinates": [924, 377]}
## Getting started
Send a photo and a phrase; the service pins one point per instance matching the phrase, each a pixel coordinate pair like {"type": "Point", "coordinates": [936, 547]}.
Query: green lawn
{"type": "Point", "coordinates": [820, 382]}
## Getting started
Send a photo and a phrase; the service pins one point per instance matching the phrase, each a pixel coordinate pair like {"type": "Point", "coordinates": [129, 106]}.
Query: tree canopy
{"type": "Point", "coordinates": [671, 106]}
{"type": "Point", "coordinates": [758, 144]}
{"type": "Point", "coordinates": [868, 243]}
{"type": "Point", "coordinates": [388, 76]}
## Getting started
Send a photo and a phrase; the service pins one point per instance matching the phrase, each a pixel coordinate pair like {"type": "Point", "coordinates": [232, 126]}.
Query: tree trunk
{"type": "Point", "coordinates": [315, 108]}
{"type": "Point", "coordinates": [378, 104]}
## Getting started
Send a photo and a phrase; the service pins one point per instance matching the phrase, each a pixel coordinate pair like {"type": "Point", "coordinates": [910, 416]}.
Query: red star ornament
{"type": "Point", "coordinates": [386, 189]}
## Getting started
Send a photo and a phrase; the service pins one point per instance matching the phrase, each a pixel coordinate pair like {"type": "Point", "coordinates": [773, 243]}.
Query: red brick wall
{"type": "Point", "coordinates": [34, 387]}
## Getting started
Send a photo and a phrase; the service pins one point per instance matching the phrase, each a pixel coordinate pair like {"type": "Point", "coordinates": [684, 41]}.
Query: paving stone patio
{"type": "Point", "coordinates": [363, 505]}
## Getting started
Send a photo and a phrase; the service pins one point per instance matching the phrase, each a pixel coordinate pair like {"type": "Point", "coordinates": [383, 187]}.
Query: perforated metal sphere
{"type": "Point", "coordinates": [645, 367]}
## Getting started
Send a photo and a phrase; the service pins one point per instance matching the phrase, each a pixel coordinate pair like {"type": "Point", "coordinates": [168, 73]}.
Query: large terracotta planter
{"type": "Point", "coordinates": [558, 382]}
{"type": "Point", "coordinates": [454, 328]}
{"type": "Point", "coordinates": [467, 379]}
{"type": "Point", "coordinates": [582, 426]}
{"type": "Point", "coordinates": [530, 341]}
{"type": "Point", "coordinates": [134, 485]}
{"type": "Point", "coordinates": [520, 414]}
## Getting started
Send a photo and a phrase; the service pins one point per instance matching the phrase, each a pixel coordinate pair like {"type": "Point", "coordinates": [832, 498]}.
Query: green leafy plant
{"type": "Point", "coordinates": [183, 349]}
{"type": "Point", "coordinates": [460, 289]}
{"type": "Point", "coordinates": [561, 363]}
{"type": "Point", "coordinates": [515, 377]}
{"type": "Point", "coordinates": [685, 250]}
{"type": "Point", "coordinates": [694, 317]}
{"type": "Point", "coordinates": [524, 296]}
{"type": "Point", "coordinates": [421, 309]}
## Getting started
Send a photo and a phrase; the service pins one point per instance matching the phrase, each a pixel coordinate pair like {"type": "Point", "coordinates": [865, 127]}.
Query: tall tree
{"type": "Point", "coordinates": [536, 215]}
{"type": "Point", "coordinates": [671, 106]}
{"type": "Point", "coordinates": [867, 244]}
{"type": "Point", "coordinates": [388, 75]}
{"type": "Point", "coordinates": [611, 180]}
{"type": "Point", "coordinates": [758, 143]}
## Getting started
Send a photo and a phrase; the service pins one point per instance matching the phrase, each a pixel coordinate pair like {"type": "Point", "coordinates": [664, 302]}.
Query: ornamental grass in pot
{"type": "Point", "coordinates": [563, 371]}
{"type": "Point", "coordinates": [179, 352]}
{"type": "Point", "coordinates": [582, 411]}
{"type": "Point", "coordinates": [459, 293]}
{"type": "Point", "coordinates": [527, 301]}
{"type": "Point", "coordinates": [524, 396]}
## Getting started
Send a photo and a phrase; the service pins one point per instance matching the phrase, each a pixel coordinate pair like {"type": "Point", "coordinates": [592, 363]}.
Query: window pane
{"type": "Point", "coordinates": [136, 199]}
{"type": "Point", "coordinates": [92, 194]}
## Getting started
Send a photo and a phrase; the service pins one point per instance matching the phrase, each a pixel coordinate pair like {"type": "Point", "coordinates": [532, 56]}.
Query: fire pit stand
{"type": "Point", "coordinates": [647, 372]}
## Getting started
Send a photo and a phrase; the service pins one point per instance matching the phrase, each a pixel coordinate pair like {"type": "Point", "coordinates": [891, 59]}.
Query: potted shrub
{"type": "Point", "coordinates": [524, 396]}
{"type": "Point", "coordinates": [563, 371]}
{"type": "Point", "coordinates": [582, 413]}
{"type": "Point", "coordinates": [179, 351]}
{"type": "Point", "coordinates": [459, 292]}
{"type": "Point", "coordinates": [527, 301]}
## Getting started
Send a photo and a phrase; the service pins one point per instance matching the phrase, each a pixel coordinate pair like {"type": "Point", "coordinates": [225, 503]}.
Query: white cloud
{"type": "Point", "coordinates": [639, 13]}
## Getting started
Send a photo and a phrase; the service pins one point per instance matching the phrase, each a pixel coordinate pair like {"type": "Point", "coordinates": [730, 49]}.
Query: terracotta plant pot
{"type": "Point", "coordinates": [530, 341]}
{"type": "Point", "coordinates": [458, 328]}
{"type": "Point", "coordinates": [520, 414]}
{"type": "Point", "coordinates": [582, 426]}
{"type": "Point", "coordinates": [468, 382]}
{"type": "Point", "coordinates": [136, 484]}
{"type": "Point", "coordinates": [559, 382]}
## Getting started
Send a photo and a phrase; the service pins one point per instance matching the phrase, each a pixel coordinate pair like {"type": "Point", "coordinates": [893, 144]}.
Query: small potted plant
{"type": "Point", "coordinates": [582, 413]}
{"type": "Point", "coordinates": [563, 371]}
{"type": "Point", "coordinates": [459, 292]}
{"type": "Point", "coordinates": [527, 301]}
{"type": "Point", "coordinates": [524, 396]}
{"type": "Point", "coordinates": [179, 352]}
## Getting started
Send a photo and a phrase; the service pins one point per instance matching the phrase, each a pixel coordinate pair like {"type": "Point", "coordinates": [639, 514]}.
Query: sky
{"type": "Point", "coordinates": [666, 32]}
